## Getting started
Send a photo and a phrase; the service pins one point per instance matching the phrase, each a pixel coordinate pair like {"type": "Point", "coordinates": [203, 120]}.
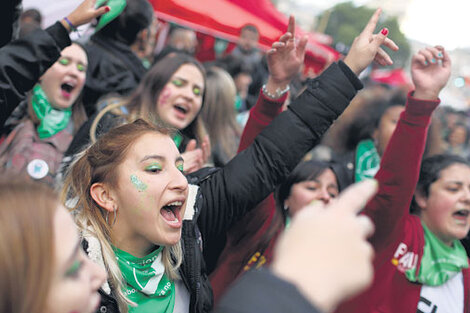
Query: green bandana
{"type": "Point", "coordinates": [51, 120]}
{"type": "Point", "coordinates": [116, 6]}
{"type": "Point", "coordinates": [177, 139]}
{"type": "Point", "coordinates": [367, 160]}
{"type": "Point", "coordinates": [439, 262]}
{"type": "Point", "coordinates": [147, 285]}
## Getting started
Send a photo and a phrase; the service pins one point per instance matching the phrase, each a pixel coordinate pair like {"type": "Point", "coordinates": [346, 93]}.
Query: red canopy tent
{"type": "Point", "coordinates": [224, 19]}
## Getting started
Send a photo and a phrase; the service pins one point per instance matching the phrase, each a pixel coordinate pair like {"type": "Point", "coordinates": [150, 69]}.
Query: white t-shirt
{"type": "Point", "coordinates": [448, 298]}
{"type": "Point", "coordinates": [182, 298]}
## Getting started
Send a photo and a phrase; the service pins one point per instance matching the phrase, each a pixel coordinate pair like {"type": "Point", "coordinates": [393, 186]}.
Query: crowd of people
{"type": "Point", "coordinates": [136, 181]}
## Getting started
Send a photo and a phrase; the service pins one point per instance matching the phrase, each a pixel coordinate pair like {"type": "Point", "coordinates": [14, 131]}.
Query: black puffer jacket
{"type": "Point", "coordinates": [23, 61]}
{"type": "Point", "coordinates": [220, 197]}
{"type": "Point", "coordinates": [11, 11]}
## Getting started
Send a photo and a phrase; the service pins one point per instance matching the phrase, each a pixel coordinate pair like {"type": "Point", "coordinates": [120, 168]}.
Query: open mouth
{"type": "Point", "coordinates": [461, 215]}
{"type": "Point", "coordinates": [181, 108]}
{"type": "Point", "coordinates": [171, 213]}
{"type": "Point", "coordinates": [67, 89]}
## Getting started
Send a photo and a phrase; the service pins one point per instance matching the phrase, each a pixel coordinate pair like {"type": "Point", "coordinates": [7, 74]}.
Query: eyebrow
{"type": "Point", "coordinates": [160, 158]}
{"type": "Point", "coordinates": [148, 157]}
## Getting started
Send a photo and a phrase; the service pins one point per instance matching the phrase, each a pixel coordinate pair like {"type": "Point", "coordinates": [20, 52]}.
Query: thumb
{"type": "Point", "coordinates": [301, 46]}
{"type": "Point", "coordinates": [380, 38]}
{"type": "Point", "coordinates": [191, 145]}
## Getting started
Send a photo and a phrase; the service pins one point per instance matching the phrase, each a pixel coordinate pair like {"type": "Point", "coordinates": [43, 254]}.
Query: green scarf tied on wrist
{"type": "Point", "coordinates": [367, 160]}
{"type": "Point", "coordinates": [146, 282]}
{"type": "Point", "coordinates": [52, 120]}
{"type": "Point", "coordinates": [439, 262]}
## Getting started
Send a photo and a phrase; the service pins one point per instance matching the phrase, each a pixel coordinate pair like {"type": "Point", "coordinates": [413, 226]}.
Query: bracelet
{"type": "Point", "coordinates": [278, 93]}
{"type": "Point", "coordinates": [72, 27]}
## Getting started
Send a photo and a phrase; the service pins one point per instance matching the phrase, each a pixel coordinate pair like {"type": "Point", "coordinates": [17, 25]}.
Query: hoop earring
{"type": "Point", "coordinates": [114, 219]}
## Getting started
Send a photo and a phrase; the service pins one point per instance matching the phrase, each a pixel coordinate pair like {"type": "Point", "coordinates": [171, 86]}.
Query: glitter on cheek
{"type": "Point", "coordinates": [164, 96]}
{"type": "Point", "coordinates": [138, 184]}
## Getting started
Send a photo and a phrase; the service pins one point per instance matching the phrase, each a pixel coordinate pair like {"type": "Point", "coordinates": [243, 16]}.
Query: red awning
{"type": "Point", "coordinates": [225, 18]}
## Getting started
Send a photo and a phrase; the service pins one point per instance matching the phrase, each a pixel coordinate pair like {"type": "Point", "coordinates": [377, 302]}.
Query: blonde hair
{"type": "Point", "coordinates": [219, 113]}
{"type": "Point", "coordinates": [98, 164]}
{"type": "Point", "coordinates": [26, 245]}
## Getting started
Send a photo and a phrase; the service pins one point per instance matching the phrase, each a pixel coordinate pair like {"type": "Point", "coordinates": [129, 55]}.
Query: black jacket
{"type": "Point", "coordinates": [112, 68]}
{"type": "Point", "coordinates": [23, 61]}
{"type": "Point", "coordinates": [11, 11]}
{"type": "Point", "coordinates": [262, 291]}
{"type": "Point", "coordinates": [225, 195]}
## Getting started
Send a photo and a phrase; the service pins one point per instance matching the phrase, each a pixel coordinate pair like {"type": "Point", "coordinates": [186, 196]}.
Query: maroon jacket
{"type": "Point", "coordinates": [398, 239]}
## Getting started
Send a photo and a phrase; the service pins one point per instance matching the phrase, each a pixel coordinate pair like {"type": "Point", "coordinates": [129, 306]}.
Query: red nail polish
{"type": "Point", "coordinates": [384, 31]}
{"type": "Point", "coordinates": [107, 9]}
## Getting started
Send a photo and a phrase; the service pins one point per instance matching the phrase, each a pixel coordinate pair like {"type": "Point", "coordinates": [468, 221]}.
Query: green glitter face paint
{"type": "Point", "coordinates": [73, 270]}
{"type": "Point", "coordinates": [180, 167]}
{"type": "Point", "coordinates": [154, 167]}
{"type": "Point", "coordinates": [140, 185]}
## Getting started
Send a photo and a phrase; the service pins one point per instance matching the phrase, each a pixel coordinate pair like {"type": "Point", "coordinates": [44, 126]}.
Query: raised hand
{"type": "Point", "coordinates": [85, 13]}
{"type": "Point", "coordinates": [366, 47]}
{"type": "Point", "coordinates": [285, 58]}
{"type": "Point", "coordinates": [430, 71]}
{"type": "Point", "coordinates": [194, 158]}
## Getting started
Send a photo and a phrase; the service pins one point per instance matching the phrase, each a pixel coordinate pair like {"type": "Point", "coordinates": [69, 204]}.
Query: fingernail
{"type": "Point", "coordinates": [425, 62]}
{"type": "Point", "coordinates": [107, 9]}
{"type": "Point", "coordinates": [439, 54]}
{"type": "Point", "coordinates": [433, 61]}
{"type": "Point", "coordinates": [384, 31]}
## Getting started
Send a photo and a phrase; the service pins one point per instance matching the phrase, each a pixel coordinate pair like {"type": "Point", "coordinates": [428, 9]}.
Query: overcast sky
{"type": "Point", "coordinates": [445, 22]}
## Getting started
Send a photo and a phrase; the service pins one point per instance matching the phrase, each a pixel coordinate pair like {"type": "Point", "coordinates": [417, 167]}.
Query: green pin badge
{"type": "Point", "coordinates": [116, 6]}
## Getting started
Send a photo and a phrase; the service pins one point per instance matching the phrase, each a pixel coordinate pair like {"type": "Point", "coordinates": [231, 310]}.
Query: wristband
{"type": "Point", "coordinates": [278, 93]}
{"type": "Point", "coordinates": [72, 27]}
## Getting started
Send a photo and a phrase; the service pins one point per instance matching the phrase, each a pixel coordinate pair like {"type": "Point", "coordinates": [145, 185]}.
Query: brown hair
{"type": "Point", "coordinates": [142, 102]}
{"type": "Point", "coordinates": [26, 245]}
{"type": "Point", "coordinates": [99, 163]}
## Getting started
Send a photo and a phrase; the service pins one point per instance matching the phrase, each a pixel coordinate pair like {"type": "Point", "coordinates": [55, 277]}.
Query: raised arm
{"type": "Point", "coordinates": [22, 62]}
{"type": "Point", "coordinates": [285, 59]}
{"type": "Point", "coordinates": [229, 193]}
{"type": "Point", "coordinates": [399, 168]}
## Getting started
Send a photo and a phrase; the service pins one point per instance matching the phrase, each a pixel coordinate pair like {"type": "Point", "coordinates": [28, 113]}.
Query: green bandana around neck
{"type": "Point", "coordinates": [439, 262]}
{"type": "Point", "coordinates": [146, 282]}
{"type": "Point", "coordinates": [52, 120]}
{"type": "Point", "coordinates": [177, 139]}
{"type": "Point", "coordinates": [367, 160]}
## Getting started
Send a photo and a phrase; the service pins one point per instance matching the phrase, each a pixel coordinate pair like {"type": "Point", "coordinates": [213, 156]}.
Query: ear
{"type": "Point", "coordinates": [375, 134]}
{"type": "Point", "coordinates": [421, 199]}
{"type": "Point", "coordinates": [103, 197]}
